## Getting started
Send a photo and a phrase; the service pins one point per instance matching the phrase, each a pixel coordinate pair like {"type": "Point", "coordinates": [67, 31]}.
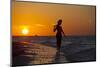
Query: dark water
{"type": "Point", "coordinates": [73, 49]}
{"type": "Point", "coordinates": [51, 40]}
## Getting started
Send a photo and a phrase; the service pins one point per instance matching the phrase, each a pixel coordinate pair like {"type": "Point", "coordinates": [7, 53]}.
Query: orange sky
{"type": "Point", "coordinates": [39, 18]}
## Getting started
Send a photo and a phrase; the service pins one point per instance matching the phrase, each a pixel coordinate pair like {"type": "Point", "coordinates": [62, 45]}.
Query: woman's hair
{"type": "Point", "coordinates": [59, 22]}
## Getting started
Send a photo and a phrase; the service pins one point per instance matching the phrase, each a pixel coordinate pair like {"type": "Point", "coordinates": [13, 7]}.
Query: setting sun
{"type": "Point", "coordinates": [25, 31]}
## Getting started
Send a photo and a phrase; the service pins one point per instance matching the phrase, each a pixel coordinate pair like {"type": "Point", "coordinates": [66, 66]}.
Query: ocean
{"type": "Point", "coordinates": [42, 50]}
{"type": "Point", "coordinates": [51, 40]}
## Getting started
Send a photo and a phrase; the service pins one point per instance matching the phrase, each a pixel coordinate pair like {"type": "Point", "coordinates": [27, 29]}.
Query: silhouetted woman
{"type": "Point", "coordinates": [59, 33]}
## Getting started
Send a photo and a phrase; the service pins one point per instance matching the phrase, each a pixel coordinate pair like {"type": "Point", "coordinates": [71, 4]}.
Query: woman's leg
{"type": "Point", "coordinates": [58, 43]}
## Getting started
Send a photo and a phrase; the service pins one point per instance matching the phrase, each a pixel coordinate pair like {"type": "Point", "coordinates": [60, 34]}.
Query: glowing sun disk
{"type": "Point", "coordinates": [25, 31]}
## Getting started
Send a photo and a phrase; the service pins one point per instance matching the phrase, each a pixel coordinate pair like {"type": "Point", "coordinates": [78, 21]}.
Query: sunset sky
{"type": "Point", "coordinates": [29, 19]}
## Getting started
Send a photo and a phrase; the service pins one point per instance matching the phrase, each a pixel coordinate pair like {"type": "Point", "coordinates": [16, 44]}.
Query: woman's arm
{"type": "Point", "coordinates": [54, 28]}
{"type": "Point", "coordinates": [63, 32]}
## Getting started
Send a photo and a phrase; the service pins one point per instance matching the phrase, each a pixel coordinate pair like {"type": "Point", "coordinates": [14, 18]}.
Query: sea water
{"type": "Point", "coordinates": [51, 40]}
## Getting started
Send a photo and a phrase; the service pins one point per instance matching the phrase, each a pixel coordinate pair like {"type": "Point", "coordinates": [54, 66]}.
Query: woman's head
{"type": "Point", "coordinates": [59, 22]}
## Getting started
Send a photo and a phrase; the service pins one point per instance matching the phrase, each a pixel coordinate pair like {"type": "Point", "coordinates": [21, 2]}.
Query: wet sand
{"type": "Point", "coordinates": [25, 53]}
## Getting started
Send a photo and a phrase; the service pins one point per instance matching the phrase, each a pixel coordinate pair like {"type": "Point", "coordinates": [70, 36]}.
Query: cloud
{"type": "Point", "coordinates": [39, 25]}
{"type": "Point", "coordinates": [53, 24]}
